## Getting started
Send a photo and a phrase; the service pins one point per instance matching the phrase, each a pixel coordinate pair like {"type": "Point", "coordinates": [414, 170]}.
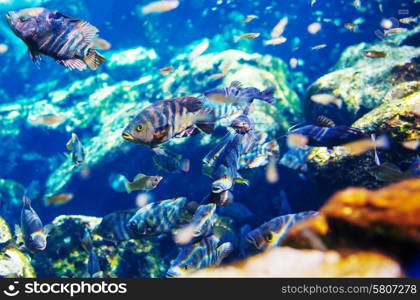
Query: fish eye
{"type": "Point", "coordinates": [139, 128]}
{"type": "Point", "coordinates": [23, 19]}
{"type": "Point", "coordinates": [268, 237]}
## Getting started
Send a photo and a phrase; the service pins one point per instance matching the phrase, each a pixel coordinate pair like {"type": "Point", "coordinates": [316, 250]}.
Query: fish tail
{"type": "Point", "coordinates": [26, 201]}
{"type": "Point", "coordinates": [185, 165]}
{"type": "Point", "coordinates": [94, 60]}
{"type": "Point", "coordinates": [128, 187]}
{"type": "Point", "coordinates": [267, 95]}
{"type": "Point", "coordinates": [237, 38]}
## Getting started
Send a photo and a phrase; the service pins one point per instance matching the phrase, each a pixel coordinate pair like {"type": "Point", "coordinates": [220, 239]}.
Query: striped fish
{"type": "Point", "coordinates": [260, 153]}
{"type": "Point", "coordinates": [166, 119]}
{"type": "Point", "coordinates": [114, 226]}
{"type": "Point", "coordinates": [203, 220]}
{"type": "Point", "coordinates": [69, 41]}
{"type": "Point", "coordinates": [203, 254]}
{"type": "Point", "coordinates": [326, 134]}
{"type": "Point", "coordinates": [161, 217]}
{"type": "Point", "coordinates": [272, 233]}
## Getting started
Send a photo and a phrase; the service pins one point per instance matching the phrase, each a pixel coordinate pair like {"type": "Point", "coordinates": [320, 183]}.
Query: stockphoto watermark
{"type": "Point", "coordinates": [63, 288]}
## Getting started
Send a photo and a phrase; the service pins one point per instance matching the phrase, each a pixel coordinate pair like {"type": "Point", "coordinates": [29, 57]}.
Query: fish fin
{"type": "Point", "coordinates": [236, 84]}
{"type": "Point", "coordinates": [88, 31]}
{"type": "Point", "coordinates": [35, 57]}
{"type": "Point", "coordinates": [159, 151]}
{"type": "Point", "coordinates": [391, 166]}
{"type": "Point", "coordinates": [139, 177]}
{"type": "Point", "coordinates": [241, 180]}
{"type": "Point", "coordinates": [94, 60]}
{"type": "Point", "coordinates": [101, 44]}
{"type": "Point", "coordinates": [193, 104]}
{"type": "Point", "coordinates": [223, 251]}
{"type": "Point", "coordinates": [185, 165]}
{"type": "Point", "coordinates": [128, 187]}
{"type": "Point", "coordinates": [376, 156]}
{"type": "Point", "coordinates": [69, 144]}
{"type": "Point", "coordinates": [237, 38]}
{"type": "Point", "coordinates": [73, 64]}
{"type": "Point", "coordinates": [267, 95]}
{"type": "Point", "coordinates": [324, 122]}
{"type": "Point", "coordinates": [19, 235]}
{"type": "Point", "coordinates": [26, 201]}
{"type": "Point", "coordinates": [48, 228]}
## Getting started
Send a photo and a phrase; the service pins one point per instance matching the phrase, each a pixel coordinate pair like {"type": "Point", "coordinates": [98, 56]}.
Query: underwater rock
{"type": "Point", "coordinates": [66, 257]}
{"type": "Point", "coordinates": [362, 82]}
{"type": "Point", "coordinates": [289, 262]}
{"type": "Point", "coordinates": [387, 219]}
{"type": "Point", "coordinates": [396, 118]}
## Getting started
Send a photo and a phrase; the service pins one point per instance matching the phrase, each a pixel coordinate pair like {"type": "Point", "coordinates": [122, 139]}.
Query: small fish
{"type": "Point", "coordinates": [34, 236]}
{"type": "Point", "coordinates": [171, 162]}
{"type": "Point", "coordinates": [76, 148]}
{"type": "Point", "coordinates": [326, 134]}
{"type": "Point", "coordinates": [163, 120]}
{"type": "Point", "coordinates": [318, 47]}
{"type": "Point", "coordinates": [5, 233]}
{"type": "Point", "coordinates": [389, 172]}
{"type": "Point", "coordinates": [408, 20]}
{"type": "Point", "coordinates": [143, 183]}
{"type": "Point", "coordinates": [351, 27]}
{"type": "Point", "coordinates": [237, 95]}
{"type": "Point", "coordinates": [364, 145]}
{"type": "Point", "coordinates": [374, 54]}
{"type": "Point", "coordinates": [113, 226]}
{"type": "Point", "coordinates": [357, 3]}
{"type": "Point", "coordinates": [313, 2]}
{"type": "Point", "coordinates": [278, 30]}
{"type": "Point", "coordinates": [60, 199]}
{"type": "Point", "coordinates": [217, 76]}
{"type": "Point", "coordinates": [249, 18]}
{"type": "Point", "coordinates": [161, 217]}
{"type": "Point", "coordinates": [325, 99]}
{"type": "Point", "coordinates": [296, 159]}
{"type": "Point", "coordinates": [159, 6]}
{"type": "Point", "coordinates": [49, 119]}
{"type": "Point", "coordinates": [205, 253]}
{"type": "Point", "coordinates": [276, 41]}
{"type": "Point", "coordinates": [246, 36]}
{"type": "Point", "coordinates": [199, 49]}
{"type": "Point", "coordinates": [166, 71]}
{"type": "Point", "coordinates": [272, 233]}
{"type": "Point", "coordinates": [396, 30]}
{"type": "Point", "coordinates": [67, 40]}
{"type": "Point", "coordinates": [294, 62]}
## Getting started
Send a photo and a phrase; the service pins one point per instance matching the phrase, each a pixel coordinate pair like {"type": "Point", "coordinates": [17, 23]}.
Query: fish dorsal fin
{"type": "Point", "coordinates": [88, 31]}
{"type": "Point", "coordinates": [236, 84]}
{"type": "Point", "coordinates": [139, 177]}
{"type": "Point", "coordinates": [69, 144]}
{"type": "Point", "coordinates": [193, 104]}
{"type": "Point", "coordinates": [324, 122]}
{"type": "Point", "coordinates": [391, 166]}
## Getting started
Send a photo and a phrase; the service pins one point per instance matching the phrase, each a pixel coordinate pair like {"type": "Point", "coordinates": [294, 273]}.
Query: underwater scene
{"type": "Point", "coordinates": [209, 138]}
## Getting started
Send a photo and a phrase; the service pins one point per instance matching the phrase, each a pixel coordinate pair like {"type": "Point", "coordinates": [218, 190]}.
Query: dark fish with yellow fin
{"type": "Point", "coordinates": [32, 229]}
{"type": "Point", "coordinates": [69, 41]}
{"type": "Point", "coordinates": [76, 148]}
{"type": "Point", "coordinates": [166, 119]}
{"type": "Point", "coordinates": [143, 183]}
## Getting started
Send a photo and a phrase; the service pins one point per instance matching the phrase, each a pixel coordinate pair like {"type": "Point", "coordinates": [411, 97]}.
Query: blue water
{"type": "Point", "coordinates": [168, 34]}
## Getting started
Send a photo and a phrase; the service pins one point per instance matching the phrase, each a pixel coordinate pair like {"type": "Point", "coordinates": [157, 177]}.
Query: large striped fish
{"type": "Point", "coordinates": [69, 41]}
{"type": "Point", "coordinates": [208, 252]}
{"type": "Point", "coordinates": [114, 226]}
{"type": "Point", "coordinates": [161, 217]}
{"type": "Point", "coordinates": [166, 119]}
{"type": "Point", "coordinates": [273, 232]}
